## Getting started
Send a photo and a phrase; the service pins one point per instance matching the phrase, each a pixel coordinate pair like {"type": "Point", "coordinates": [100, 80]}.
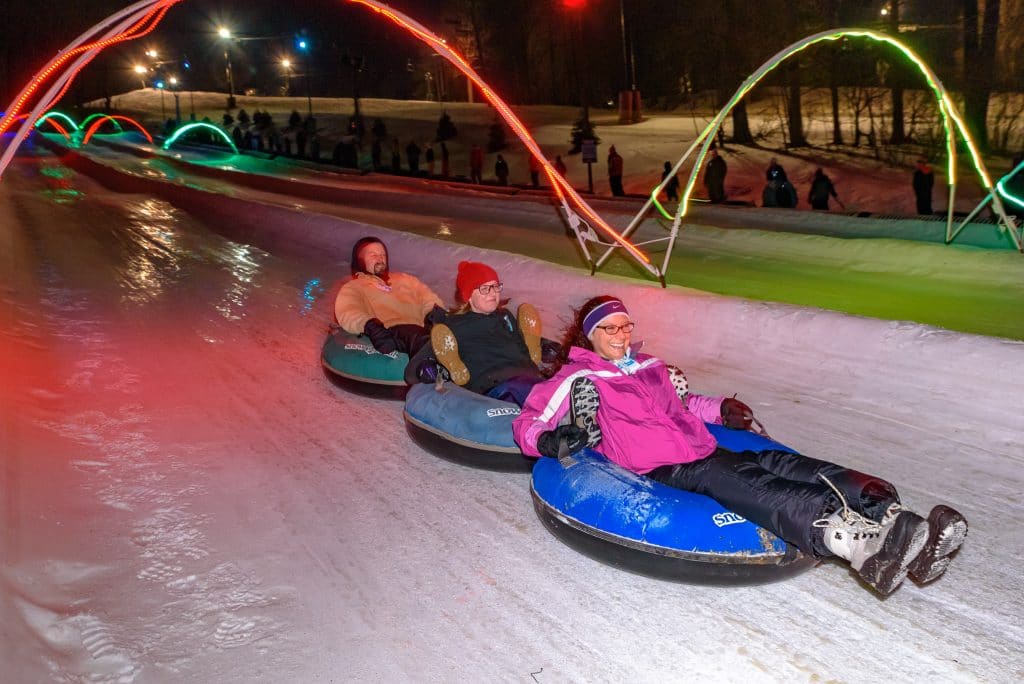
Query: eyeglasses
{"type": "Point", "coordinates": [487, 289]}
{"type": "Point", "coordinates": [612, 329]}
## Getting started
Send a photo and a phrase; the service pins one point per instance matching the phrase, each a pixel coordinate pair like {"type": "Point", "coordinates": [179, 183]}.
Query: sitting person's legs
{"type": "Point", "coordinates": [516, 389]}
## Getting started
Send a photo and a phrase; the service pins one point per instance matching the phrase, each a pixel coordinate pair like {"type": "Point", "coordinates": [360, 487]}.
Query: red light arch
{"type": "Point", "coordinates": [141, 18]}
{"type": "Point", "coordinates": [103, 118]}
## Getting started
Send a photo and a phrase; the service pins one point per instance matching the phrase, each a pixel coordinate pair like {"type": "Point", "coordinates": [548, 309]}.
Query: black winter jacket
{"type": "Point", "coordinates": [492, 348]}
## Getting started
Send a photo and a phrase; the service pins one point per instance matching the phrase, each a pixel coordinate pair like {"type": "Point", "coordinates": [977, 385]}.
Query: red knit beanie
{"type": "Point", "coordinates": [472, 274]}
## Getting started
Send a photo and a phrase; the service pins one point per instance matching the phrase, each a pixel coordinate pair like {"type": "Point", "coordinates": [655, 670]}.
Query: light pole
{"type": "Point", "coordinates": [287, 64]}
{"type": "Point", "coordinates": [163, 110]}
{"type": "Point", "coordinates": [225, 34]}
{"type": "Point", "coordinates": [303, 45]}
{"type": "Point", "coordinates": [629, 98]}
{"type": "Point", "coordinates": [356, 62]}
{"type": "Point", "coordinates": [141, 71]}
{"type": "Point", "coordinates": [173, 81]}
{"type": "Point", "coordinates": [575, 7]}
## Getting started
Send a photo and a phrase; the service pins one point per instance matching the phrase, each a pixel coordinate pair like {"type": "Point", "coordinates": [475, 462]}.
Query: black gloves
{"type": "Point", "coordinates": [736, 414]}
{"type": "Point", "coordinates": [430, 370]}
{"type": "Point", "coordinates": [381, 338]}
{"type": "Point", "coordinates": [548, 442]}
{"type": "Point", "coordinates": [435, 316]}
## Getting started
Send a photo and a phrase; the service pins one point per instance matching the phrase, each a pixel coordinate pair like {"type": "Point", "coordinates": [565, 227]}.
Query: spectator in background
{"type": "Point", "coordinates": [924, 181]}
{"type": "Point", "coordinates": [534, 172]}
{"type": "Point", "coordinates": [779, 192]}
{"type": "Point", "coordinates": [476, 164]}
{"type": "Point", "coordinates": [501, 170]}
{"type": "Point", "coordinates": [672, 187]}
{"type": "Point", "coordinates": [560, 166]}
{"type": "Point", "coordinates": [429, 157]}
{"type": "Point", "coordinates": [615, 168]}
{"type": "Point", "coordinates": [412, 153]}
{"type": "Point", "coordinates": [396, 156]}
{"type": "Point", "coordinates": [821, 189]}
{"type": "Point", "coordinates": [775, 171]}
{"type": "Point", "coordinates": [446, 166]}
{"type": "Point", "coordinates": [714, 177]}
{"type": "Point", "coordinates": [375, 153]}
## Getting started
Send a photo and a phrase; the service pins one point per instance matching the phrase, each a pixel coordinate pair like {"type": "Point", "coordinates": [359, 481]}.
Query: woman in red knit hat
{"type": "Point", "coordinates": [482, 345]}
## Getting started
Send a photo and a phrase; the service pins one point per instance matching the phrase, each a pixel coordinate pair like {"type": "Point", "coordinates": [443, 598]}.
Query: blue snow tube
{"type": "Point", "coordinates": [353, 363]}
{"type": "Point", "coordinates": [462, 426]}
{"type": "Point", "coordinates": [638, 524]}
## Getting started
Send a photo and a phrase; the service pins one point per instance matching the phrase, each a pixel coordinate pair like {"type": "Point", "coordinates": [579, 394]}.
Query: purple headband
{"type": "Point", "coordinates": [600, 312]}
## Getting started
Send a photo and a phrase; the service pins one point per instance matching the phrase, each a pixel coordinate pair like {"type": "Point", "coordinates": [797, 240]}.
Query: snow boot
{"type": "Point", "coordinates": [881, 553]}
{"type": "Point", "coordinates": [583, 404]}
{"type": "Point", "coordinates": [529, 326]}
{"type": "Point", "coordinates": [446, 349]}
{"type": "Point", "coordinates": [680, 383]}
{"type": "Point", "coordinates": [947, 531]}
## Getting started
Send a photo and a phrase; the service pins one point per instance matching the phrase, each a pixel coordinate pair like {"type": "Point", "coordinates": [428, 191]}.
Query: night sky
{"type": "Point", "coordinates": [35, 31]}
{"type": "Point", "coordinates": [550, 58]}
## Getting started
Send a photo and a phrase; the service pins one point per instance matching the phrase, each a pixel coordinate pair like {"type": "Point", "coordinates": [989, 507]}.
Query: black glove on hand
{"type": "Point", "coordinates": [548, 442]}
{"type": "Point", "coordinates": [435, 316]}
{"type": "Point", "coordinates": [736, 414]}
{"type": "Point", "coordinates": [381, 338]}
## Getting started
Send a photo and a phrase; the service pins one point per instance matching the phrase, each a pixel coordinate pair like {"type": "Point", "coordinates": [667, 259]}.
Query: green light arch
{"type": "Point", "coordinates": [92, 117]}
{"type": "Point", "coordinates": [199, 124]}
{"type": "Point", "coordinates": [946, 108]}
{"type": "Point", "coordinates": [54, 114]}
{"type": "Point", "coordinates": [1001, 186]}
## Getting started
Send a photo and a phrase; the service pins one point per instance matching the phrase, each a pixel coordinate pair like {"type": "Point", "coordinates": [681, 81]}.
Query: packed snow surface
{"type": "Point", "coordinates": [187, 497]}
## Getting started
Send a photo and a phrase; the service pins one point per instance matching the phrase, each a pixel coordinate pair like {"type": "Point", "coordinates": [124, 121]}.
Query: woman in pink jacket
{"type": "Point", "coordinates": [637, 411]}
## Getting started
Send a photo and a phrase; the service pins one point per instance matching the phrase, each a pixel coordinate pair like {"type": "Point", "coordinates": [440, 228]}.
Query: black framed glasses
{"type": "Point", "coordinates": [487, 289]}
{"type": "Point", "coordinates": [612, 329]}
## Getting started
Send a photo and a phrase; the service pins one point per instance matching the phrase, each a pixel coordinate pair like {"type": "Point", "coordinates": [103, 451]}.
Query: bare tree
{"type": "Point", "coordinates": [979, 60]}
{"type": "Point", "coordinates": [896, 85]}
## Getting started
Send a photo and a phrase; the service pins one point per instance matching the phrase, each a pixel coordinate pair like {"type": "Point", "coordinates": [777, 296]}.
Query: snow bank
{"type": "Point", "coordinates": [981, 381]}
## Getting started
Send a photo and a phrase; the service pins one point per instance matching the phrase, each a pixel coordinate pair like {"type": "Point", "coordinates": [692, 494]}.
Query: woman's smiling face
{"type": "Point", "coordinates": [612, 347]}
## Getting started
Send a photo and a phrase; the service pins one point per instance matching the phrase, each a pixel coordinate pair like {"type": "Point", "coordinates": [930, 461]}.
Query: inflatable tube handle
{"type": "Point", "coordinates": [565, 458]}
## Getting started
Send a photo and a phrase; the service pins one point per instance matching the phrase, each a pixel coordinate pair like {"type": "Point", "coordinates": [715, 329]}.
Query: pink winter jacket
{"type": "Point", "coordinates": [643, 423]}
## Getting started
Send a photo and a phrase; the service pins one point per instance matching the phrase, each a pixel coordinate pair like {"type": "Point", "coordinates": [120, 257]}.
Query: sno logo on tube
{"type": "Point", "coordinates": [727, 518]}
{"type": "Point", "coordinates": [503, 411]}
{"type": "Point", "coordinates": [368, 350]}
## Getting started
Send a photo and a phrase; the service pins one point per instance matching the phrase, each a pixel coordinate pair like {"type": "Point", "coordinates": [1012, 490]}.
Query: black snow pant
{"type": "Point", "coordinates": [781, 491]}
{"type": "Point", "coordinates": [410, 338]}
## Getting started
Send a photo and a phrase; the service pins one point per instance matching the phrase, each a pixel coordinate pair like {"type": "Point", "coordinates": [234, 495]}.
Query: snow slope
{"type": "Point", "coordinates": [879, 268]}
{"type": "Point", "coordinates": [186, 497]}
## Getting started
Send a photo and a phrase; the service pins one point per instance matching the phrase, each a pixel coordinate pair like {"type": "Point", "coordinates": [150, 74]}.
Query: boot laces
{"type": "Point", "coordinates": [858, 525]}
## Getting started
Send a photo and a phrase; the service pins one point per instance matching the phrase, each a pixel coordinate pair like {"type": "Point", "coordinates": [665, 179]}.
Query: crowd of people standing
{"type": "Point", "coordinates": [302, 139]}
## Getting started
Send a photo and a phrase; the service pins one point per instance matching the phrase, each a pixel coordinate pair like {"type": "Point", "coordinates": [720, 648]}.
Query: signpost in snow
{"type": "Point", "coordinates": [589, 157]}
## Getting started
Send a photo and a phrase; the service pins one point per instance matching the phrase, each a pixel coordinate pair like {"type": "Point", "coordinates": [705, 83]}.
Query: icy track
{"type": "Point", "coordinates": [186, 497]}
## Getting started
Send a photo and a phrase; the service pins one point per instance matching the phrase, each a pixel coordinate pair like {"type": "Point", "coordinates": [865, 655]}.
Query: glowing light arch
{"type": "Point", "coordinates": [1001, 186]}
{"type": "Point", "coordinates": [103, 118]}
{"type": "Point", "coordinates": [199, 124]}
{"type": "Point", "coordinates": [48, 116]}
{"type": "Point", "coordinates": [93, 117]}
{"type": "Point", "coordinates": [563, 189]}
{"type": "Point", "coordinates": [56, 126]}
{"type": "Point", "coordinates": [60, 129]}
{"type": "Point", "coordinates": [946, 108]}
{"type": "Point", "coordinates": [130, 26]}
